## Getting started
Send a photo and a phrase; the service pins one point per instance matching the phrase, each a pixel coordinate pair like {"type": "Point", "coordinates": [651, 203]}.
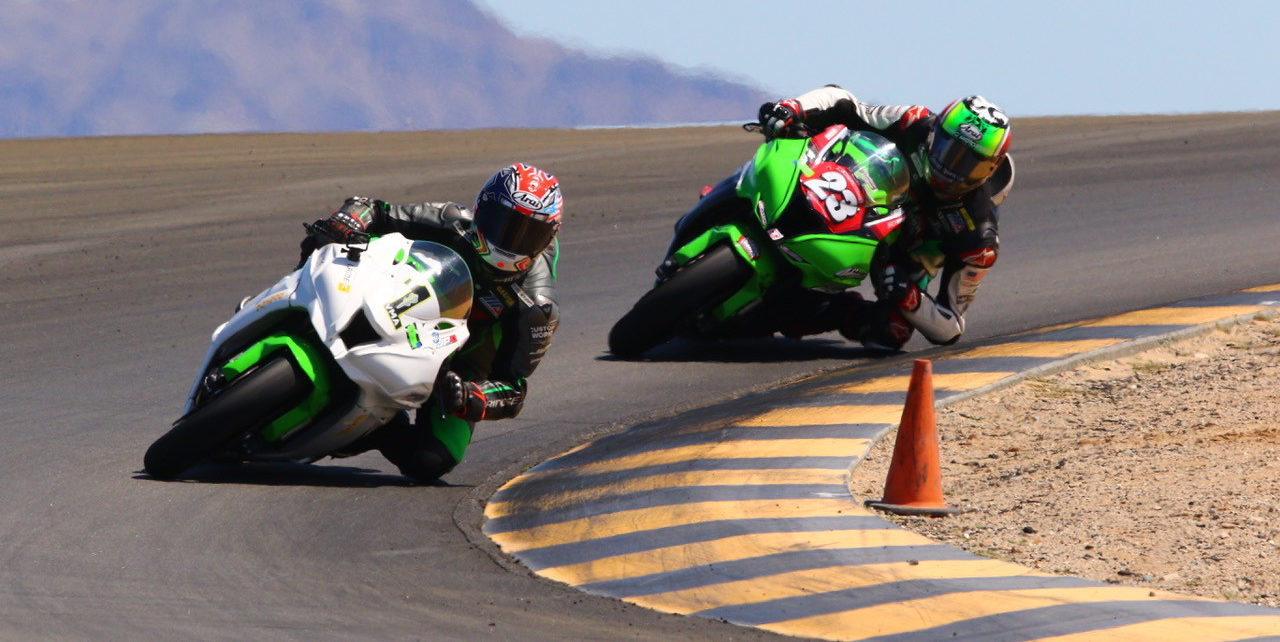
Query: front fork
{"type": "Point", "coordinates": [310, 359]}
{"type": "Point", "coordinates": [762, 259]}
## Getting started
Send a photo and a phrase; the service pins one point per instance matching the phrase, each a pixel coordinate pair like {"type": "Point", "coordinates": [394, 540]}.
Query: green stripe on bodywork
{"type": "Point", "coordinates": [308, 357]}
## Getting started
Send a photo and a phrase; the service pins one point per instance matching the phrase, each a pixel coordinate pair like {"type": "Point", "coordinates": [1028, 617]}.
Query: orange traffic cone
{"type": "Point", "coordinates": [914, 483]}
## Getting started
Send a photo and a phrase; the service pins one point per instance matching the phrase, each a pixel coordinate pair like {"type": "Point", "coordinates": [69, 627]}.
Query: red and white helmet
{"type": "Point", "coordinates": [517, 215]}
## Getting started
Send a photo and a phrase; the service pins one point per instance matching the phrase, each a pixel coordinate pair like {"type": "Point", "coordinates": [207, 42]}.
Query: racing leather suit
{"type": "Point", "coordinates": [957, 237]}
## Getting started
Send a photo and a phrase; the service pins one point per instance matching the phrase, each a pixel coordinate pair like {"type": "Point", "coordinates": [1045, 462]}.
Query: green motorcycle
{"type": "Point", "coordinates": [803, 215]}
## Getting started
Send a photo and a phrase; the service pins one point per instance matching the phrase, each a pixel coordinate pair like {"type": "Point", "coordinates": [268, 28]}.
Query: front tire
{"type": "Point", "coordinates": [247, 403]}
{"type": "Point", "coordinates": [692, 289]}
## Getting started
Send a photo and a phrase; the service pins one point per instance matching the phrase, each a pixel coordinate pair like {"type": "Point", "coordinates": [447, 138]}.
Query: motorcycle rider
{"type": "Point", "coordinates": [960, 173]}
{"type": "Point", "coordinates": [508, 241]}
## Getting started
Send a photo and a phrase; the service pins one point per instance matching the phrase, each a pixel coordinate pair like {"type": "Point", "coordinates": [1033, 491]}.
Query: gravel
{"type": "Point", "coordinates": [1158, 470]}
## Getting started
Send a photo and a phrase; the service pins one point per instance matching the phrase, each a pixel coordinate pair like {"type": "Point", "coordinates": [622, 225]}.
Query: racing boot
{"type": "Point", "coordinates": [881, 329]}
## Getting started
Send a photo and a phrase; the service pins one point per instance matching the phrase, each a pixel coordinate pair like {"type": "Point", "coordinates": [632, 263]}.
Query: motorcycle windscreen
{"type": "Point", "coordinates": [448, 276]}
{"type": "Point", "coordinates": [876, 164]}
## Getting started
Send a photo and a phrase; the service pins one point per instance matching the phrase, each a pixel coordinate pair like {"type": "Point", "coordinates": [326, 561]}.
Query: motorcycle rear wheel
{"type": "Point", "coordinates": [696, 287]}
{"type": "Point", "coordinates": [246, 404]}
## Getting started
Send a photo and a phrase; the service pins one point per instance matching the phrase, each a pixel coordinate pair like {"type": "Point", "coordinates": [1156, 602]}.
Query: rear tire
{"type": "Point", "coordinates": [246, 404]}
{"type": "Point", "coordinates": [694, 288]}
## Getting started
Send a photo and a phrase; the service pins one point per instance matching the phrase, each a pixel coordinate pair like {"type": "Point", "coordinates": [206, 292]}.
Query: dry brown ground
{"type": "Point", "coordinates": [1159, 469]}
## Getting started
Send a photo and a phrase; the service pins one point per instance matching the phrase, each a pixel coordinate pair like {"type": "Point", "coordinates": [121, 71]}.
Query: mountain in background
{"type": "Point", "coordinates": [114, 67]}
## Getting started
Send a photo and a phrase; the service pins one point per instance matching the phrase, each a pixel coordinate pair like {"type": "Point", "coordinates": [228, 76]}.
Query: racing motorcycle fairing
{"type": "Point", "coordinates": [820, 205]}
{"type": "Point", "coordinates": [370, 327]}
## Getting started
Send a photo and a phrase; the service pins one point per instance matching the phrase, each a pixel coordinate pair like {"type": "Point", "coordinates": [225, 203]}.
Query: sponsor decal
{"type": "Point", "coordinates": [520, 294]}
{"type": "Point", "coordinates": [511, 293]}
{"type": "Point", "coordinates": [493, 304]}
{"type": "Point", "coordinates": [529, 201]}
{"type": "Point", "coordinates": [791, 254]}
{"type": "Point", "coordinates": [774, 234]}
{"type": "Point", "coordinates": [884, 226]}
{"type": "Point", "coordinates": [984, 258]}
{"type": "Point", "coordinates": [432, 340]}
{"type": "Point", "coordinates": [958, 219]}
{"type": "Point", "coordinates": [970, 132]}
{"type": "Point", "coordinates": [915, 113]}
{"type": "Point", "coordinates": [271, 299]}
{"type": "Point", "coordinates": [968, 287]}
{"type": "Point", "coordinates": [405, 303]}
{"type": "Point", "coordinates": [749, 247]}
{"type": "Point", "coordinates": [833, 193]}
{"type": "Point", "coordinates": [354, 423]}
{"type": "Point", "coordinates": [852, 273]}
{"type": "Point", "coordinates": [345, 284]}
{"type": "Point", "coordinates": [439, 339]}
{"type": "Point", "coordinates": [911, 300]}
{"type": "Point", "coordinates": [500, 257]}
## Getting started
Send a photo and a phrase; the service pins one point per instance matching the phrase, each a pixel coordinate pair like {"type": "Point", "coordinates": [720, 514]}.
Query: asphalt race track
{"type": "Point", "coordinates": [120, 255]}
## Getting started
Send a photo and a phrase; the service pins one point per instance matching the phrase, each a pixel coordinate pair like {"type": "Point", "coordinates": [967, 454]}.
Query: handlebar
{"type": "Point", "coordinates": [798, 130]}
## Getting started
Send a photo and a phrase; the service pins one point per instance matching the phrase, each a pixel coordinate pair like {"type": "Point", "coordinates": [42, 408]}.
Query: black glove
{"type": "Point", "coordinates": [462, 398]}
{"type": "Point", "coordinates": [349, 225]}
{"type": "Point", "coordinates": [340, 227]}
{"type": "Point", "coordinates": [898, 286]}
{"type": "Point", "coordinates": [781, 118]}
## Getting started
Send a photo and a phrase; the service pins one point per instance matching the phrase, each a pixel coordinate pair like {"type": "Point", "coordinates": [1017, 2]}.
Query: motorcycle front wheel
{"type": "Point", "coordinates": [696, 287]}
{"type": "Point", "coordinates": [248, 403]}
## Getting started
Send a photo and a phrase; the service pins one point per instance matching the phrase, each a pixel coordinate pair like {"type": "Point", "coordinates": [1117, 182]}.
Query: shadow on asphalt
{"type": "Point", "coordinates": [289, 474]}
{"type": "Point", "coordinates": [759, 350]}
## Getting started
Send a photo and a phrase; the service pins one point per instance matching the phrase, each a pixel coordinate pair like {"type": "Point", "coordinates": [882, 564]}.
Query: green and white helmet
{"type": "Point", "coordinates": [968, 142]}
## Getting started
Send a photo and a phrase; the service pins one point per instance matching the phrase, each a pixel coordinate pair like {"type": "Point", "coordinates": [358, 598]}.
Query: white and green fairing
{"type": "Point", "coordinates": [385, 317]}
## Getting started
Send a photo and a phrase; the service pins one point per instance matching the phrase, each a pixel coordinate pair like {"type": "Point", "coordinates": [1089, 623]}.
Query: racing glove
{"type": "Point", "coordinates": [350, 224]}
{"type": "Point", "coordinates": [898, 286]}
{"type": "Point", "coordinates": [780, 118]}
{"type": "Point", "coordinates": [478, 400]}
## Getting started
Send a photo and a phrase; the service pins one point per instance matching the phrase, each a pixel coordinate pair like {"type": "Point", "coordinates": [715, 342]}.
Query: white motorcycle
{"type": "Point", "coordinates": [323, 357]}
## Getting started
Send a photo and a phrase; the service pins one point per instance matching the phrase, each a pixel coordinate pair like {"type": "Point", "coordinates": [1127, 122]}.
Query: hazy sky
{"type": "Point", "coordinates": [1032, 57]}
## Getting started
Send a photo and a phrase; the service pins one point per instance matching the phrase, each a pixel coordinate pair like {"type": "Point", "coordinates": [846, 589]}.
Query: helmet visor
{"type": "Point", "coordinates": [511, 231]}
{"type": "Point", "coordinates": [955, 166]}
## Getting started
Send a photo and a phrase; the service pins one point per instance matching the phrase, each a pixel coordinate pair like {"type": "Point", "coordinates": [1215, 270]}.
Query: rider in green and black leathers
{"type": "Point", "coordinates": [508, 241]}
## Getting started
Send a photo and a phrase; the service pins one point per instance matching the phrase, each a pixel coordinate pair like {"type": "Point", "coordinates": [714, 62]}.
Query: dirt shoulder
{"type": "Point", "coordinates": [1158, 470]}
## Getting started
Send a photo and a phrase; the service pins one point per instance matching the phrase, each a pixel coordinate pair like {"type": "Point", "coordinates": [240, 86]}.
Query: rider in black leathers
{"type": "Point", "coordinates": [508, 241]}
{"type": "Point", "coordinates": [960, 171]}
